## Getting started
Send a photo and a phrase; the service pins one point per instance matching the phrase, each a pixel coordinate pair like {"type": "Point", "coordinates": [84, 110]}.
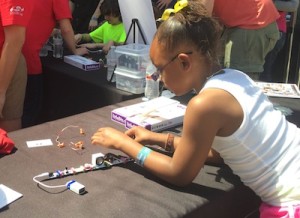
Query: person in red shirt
{"type": "Point", "coordinates": [250, 32]}
{"type": "Point", "coordinates": [14, 17]}
{"type": "Point", "coordinates": [46, 15]}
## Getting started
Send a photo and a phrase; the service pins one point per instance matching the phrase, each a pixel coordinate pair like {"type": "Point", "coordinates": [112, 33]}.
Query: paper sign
{"type": "Point", "coordinates": [7, 195]}
{"type": "Point", "coordinates": [39, 143]}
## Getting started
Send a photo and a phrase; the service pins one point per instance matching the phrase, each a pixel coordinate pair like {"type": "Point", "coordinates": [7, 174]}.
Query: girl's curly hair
{"type": "Point", "coordinates": [193, 26]}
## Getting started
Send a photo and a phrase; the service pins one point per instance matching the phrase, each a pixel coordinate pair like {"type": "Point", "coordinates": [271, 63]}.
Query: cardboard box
{"type": "Point", "coordinates": [159, 119]}
{"type": "Point", "coordinates": [82, 62]}
{"type": "Point", "coordinates": [157, 114]}
{"type": "Point", "coordinates": [119, 115]}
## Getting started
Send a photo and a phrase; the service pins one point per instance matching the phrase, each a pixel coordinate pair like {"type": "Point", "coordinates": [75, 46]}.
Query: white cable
{"type": "Point", "coordinates": [69, 127]}
{"type": "Point", "coordinates": [47, 186]}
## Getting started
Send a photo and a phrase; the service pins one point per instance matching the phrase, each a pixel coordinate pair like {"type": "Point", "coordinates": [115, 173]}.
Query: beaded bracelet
{"type": "Point", "coordinates": [142, 155]}
{"type": "Point", "coordinates": [169, 145]}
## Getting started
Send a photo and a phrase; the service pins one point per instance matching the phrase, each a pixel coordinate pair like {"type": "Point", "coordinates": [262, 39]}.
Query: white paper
{"type": "Point", "coordinates": [7, 195]}
{"type": "Point", "coordinates": [39, 143]}
{"type": "Point", "coordinates": [284, 90]}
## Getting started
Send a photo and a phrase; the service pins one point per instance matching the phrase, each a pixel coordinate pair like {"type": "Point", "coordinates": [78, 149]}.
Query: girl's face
{"type": "Point", "coordinates": [172, 68]}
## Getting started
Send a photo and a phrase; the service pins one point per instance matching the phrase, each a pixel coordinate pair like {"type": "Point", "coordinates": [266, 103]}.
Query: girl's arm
{"type": "Point", "coordinates": [210, 113]}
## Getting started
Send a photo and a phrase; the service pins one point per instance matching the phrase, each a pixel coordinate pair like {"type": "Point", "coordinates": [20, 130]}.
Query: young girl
{"type": "Point", "coordinates": [230, 117]}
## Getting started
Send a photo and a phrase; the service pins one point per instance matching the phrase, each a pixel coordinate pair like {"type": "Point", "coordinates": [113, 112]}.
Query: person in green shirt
{"type": "Point", "coordinates": [110, 33]}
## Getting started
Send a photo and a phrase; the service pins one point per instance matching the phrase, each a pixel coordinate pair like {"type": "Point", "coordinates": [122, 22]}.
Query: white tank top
{"type": "Point", "coordinates": [265, 150]}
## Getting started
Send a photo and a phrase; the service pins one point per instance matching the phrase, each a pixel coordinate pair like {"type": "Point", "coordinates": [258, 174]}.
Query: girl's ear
{"type": "Point", "coordinates": [184, 60]}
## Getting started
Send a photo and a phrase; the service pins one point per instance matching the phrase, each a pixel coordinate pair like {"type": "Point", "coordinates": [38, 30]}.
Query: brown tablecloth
{"type": "Point", "coordinates": [121, 191]}
{"type": "Point", "coordinates": [69, 90]}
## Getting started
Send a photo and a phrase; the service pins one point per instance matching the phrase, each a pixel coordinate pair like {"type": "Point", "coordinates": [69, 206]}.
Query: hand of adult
{"type": "Point", "coordinates": [162, 4]}
{"type": "Point", "coordinates": [93, 24]}
{"type": "Point", "coordinates": [88, 45]}
{"type": "Point", "coordinates": [81, 51]}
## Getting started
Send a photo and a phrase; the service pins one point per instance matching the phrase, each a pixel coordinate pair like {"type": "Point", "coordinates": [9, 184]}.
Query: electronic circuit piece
{"type": "Point", "coordinates": [99, 161]}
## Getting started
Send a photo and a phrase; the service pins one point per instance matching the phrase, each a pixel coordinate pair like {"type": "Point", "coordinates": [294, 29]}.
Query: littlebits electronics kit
{"type": "Point", "coordinates": [155, 115]}
{"type": "Point", "coordinates": [99, 161]}
{"type": "Point", "coordinates": [82, 62]}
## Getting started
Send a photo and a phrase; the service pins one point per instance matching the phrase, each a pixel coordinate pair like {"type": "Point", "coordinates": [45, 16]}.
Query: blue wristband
{"type": "Point", "coordinates": [142, 155]}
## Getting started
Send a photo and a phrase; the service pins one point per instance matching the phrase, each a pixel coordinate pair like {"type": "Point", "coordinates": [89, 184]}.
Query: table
{"type": "Point", "coordinates": [122, 191]}
{"type": "Point", "coordinates": [291, 104]}
{"type": "Point", "coordinates": [69, 90]}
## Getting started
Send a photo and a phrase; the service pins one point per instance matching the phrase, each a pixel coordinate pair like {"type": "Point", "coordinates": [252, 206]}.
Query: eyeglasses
{"type": "Point", "coordinates": [159, 71]}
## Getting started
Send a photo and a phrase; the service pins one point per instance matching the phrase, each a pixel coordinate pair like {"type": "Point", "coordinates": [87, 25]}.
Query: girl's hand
{"type": "Point", "coordinates": [140, 135]}
{"type": "Point", "coordinates": [109, 138]}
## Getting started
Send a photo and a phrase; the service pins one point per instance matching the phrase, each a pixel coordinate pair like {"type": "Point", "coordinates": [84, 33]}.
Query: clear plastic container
{"type": "Point", "coordinates": [133, 57]}
{"type": "Point", "coordinates": [111, 62]}
{"type": "Point", "coordinates": [126, 81]}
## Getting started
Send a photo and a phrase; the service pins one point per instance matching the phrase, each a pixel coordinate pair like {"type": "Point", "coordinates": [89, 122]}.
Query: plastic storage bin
{"type": "Point", "coordinates": [127, 81]}
{"type": "Point", "coordinates": [133, 57]}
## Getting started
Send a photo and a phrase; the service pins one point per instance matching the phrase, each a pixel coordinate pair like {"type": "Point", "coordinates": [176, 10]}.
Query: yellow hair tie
{"type": "Point", "coordinates": [177, 7]}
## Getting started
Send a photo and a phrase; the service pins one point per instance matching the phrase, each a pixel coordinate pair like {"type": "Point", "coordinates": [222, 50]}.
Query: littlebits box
{"type": "Point", "coordinates": [82, 62]}
{"type": "Point", "coordinates": [155, 115]}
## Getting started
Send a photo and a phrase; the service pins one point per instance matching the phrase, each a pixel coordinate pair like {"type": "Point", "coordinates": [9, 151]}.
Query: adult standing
{"type": "Point", "coordinates": [160, 5]}
{"type": "Point", "coordinates": [46, 15]}
{"type": "Point", "coordinates": [96, 18]}
{"type": "Point", "coordinates": [164, 4]}
{"type": "Point", "coordinates": [14, 17]}
{"type": "Point", "coordinates": [83, 12]}
{"type": "Point", "coordinates": [250, 32]}
{"type": "Point", "coordinates": [283, 7]}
